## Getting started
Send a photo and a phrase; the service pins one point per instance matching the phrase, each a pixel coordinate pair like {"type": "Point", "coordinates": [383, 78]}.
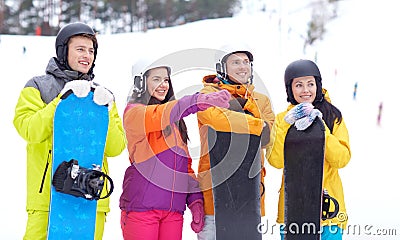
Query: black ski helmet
{"type": "Point", "coordinates": [302, 68]}
{"type": "Point", "coordinates": [65, 34]}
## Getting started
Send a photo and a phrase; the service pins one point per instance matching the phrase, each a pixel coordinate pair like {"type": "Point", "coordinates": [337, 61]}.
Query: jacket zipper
{"type": "Point", "coordinates": [45, 171]}
{"type": "Point", "coordinates": [105, 181]}
{"type": "Point", "coordinates": [173, 182]}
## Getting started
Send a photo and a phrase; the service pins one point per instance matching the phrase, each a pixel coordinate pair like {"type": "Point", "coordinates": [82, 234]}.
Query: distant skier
{"type": "Point", "coordinates": [23, 50]}
{"type": "Point", "coordinates": [72, 69]}
{"type": "Point", "coordinates": [355, 90]}
{"type": "Point", "coordinates": [379, 113]}
{"type": "Point", "coordinates": [38, 31]}
{"type": "Point", "coordinates": [308, 99]}
{"type": "Point", "coordinates": [335, 72]}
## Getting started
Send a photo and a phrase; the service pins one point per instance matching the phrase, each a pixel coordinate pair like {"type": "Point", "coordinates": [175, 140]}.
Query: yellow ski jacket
{"type": "Point", "coordinates": [337, 155]}
{"type": "Point", "coordinates": [33, 121]}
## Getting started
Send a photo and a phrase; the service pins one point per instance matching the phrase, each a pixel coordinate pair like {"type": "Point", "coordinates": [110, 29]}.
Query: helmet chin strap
{"type": "Point", "coordinates": [251, 73]}
{"type": "Point", "coordinates": [247, 88]}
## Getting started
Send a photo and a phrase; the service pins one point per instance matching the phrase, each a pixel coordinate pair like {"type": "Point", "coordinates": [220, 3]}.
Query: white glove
{"type": "Point", "coordinates": [299, 111]}
{"type": "Point", "coordinates": [80, 88]}
{"type": "Point", "coordinates": [103, 96]}
{"type": "Point", "coordinates": [303, 123]}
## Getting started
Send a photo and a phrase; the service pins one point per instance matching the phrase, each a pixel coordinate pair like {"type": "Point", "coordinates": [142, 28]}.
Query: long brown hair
{"type": "Point", "coordinates": [146, 99]}
{"type": "Point", "coordinates": [330, 113]}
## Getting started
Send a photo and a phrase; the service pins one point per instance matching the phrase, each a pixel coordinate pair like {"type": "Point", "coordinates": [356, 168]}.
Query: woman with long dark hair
{"type": "Point", "coordinates": [308, 100]}
{"type": "Point", "coordinates": [160, 181]}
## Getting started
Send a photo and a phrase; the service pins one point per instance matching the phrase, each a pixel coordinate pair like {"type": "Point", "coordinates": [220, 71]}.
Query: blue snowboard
{"type": "Point", "coordinates": [80, 131]}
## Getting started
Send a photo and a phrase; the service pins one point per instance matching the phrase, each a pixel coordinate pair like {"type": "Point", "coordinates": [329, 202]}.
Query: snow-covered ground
{"type": "Point", "coordinates": [361, 45]}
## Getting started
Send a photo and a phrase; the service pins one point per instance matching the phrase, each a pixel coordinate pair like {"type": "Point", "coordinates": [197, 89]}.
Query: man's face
{"type": "Point", "coordinates": [238, 67]}
{"type": "Point", "coordinates": [80, 54]}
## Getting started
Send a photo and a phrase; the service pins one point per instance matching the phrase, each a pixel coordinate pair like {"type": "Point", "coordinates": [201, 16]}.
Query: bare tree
{"type": "Point", "coordinates": [2, 10]}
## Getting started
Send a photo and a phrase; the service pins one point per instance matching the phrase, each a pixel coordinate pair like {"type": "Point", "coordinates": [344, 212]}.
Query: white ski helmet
{"type": "Point", "coordinates": [228, 49]}
{"type": "Point", "coordinates": [139, 70]}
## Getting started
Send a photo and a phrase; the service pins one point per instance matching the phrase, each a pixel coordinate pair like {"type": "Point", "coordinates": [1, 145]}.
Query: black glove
{"type": "Point", "coordinates": [237, 104]}
{"type": "Point", "coordinates": [265, 135]}
{"type": "Point", "coordinates": [242, 101]}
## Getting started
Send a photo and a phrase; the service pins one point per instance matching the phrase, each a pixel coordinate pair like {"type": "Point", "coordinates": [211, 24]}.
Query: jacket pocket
{"type": "Point", "coordinates": [45, 171]}
{"type": "Point", "coordinates": [133, 189]}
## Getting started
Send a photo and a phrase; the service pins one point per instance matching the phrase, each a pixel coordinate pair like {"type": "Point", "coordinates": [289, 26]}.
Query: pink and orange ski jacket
{"type": "Point", "coordinates": [160, 176]}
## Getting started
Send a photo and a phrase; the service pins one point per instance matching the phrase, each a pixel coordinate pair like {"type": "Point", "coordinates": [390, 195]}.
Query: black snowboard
{"type": "Point", "coordinates": [303, 175]}
{"type": "Point", "coordinates": [235, 169]}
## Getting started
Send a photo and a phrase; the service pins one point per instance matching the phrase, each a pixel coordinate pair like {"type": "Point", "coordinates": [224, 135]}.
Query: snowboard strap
{"type": "Point", "coordinates": [69, 92]}
{"type": "Point", "coordinates": [326, 203]}
{"type": "Point", "coordinates": [70, 178]}
{"type": "Point", "coordinates": [263, 189]}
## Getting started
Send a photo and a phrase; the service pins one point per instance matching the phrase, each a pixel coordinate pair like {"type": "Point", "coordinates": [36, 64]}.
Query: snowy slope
{"type": "Point", "coordinates": [361, 45]}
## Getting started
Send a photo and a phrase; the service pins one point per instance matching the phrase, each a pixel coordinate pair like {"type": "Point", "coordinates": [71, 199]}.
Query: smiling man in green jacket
{"type": "Point", "coordinates": [76, 49]}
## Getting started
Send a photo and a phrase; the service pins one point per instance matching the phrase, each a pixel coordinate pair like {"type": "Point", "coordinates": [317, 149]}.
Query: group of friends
{"type": "Point", "coordinates": [160, 182]}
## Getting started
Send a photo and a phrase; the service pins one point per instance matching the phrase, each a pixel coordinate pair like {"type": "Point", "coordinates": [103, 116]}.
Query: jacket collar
{"type": "Point", "coordinates": [69, 75]}
{"type": "Point", "coordinates": [237, 90]}
{"type": "Point", "coordinates": [326, 96]}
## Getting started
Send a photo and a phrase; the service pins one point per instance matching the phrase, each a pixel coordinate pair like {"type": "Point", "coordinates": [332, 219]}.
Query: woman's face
{"type": "Point", "coordinates": [158, 83]}
{"type": "Point", "coordinates": [304, 89]}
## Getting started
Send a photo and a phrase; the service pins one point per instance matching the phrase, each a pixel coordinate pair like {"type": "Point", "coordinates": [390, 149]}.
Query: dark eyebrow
{"type": "Point", "coordinates": [82, 46]}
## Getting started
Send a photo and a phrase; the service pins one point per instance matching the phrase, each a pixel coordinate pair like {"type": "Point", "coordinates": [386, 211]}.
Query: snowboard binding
{"type": "Point", "coordinates": [326, 203]}
{"type": "Point", "coordinates": [70, 178]}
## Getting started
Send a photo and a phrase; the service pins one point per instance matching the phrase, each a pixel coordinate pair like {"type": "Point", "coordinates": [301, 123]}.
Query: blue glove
{"type": "Point", "coordinates": [299, 111]}
{"type": "Point", "coordinates": [303, 123]}
{"type": "Point", "coordinates": [302, 115]}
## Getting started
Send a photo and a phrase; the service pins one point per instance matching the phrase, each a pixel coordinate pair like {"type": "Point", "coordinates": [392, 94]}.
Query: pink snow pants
{"type": "Point", "coordinates": [152, 225]}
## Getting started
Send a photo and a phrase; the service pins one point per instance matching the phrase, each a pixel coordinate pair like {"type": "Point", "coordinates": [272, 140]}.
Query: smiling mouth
{"type": "Point", "coordinates": [306, 96]}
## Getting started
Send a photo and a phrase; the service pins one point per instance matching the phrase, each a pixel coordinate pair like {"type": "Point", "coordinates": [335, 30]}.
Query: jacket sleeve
{"type": "Point", "coordinates": [226, 120]}
{"type": "Point", "coordinates": [267, 114]}
{"type": "Point", "coordinates": [230, 121]}
{"type": "Point", "coordinates": [33, 118]}
{"type": "Point", "coordinates": [337, 146]}
{"type": "Point", "coordinates": [275, 155]}
{"type": "Point", "coordinates": [116, 141]}
{"type": "Point", "coordinates": [185, 106]}
{"type": "Point", "coordinates": [194, 187]}
{"type": "Point", "coordinates": [141, 119]}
